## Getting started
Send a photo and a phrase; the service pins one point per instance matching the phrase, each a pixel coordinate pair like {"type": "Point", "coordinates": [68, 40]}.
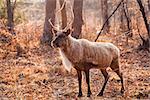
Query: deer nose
{"type": "Point", "coordinates": [54, 44]}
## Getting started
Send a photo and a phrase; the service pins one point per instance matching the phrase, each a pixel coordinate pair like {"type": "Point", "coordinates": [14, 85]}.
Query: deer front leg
{"type": "Point", "coordinates": [80, 81]}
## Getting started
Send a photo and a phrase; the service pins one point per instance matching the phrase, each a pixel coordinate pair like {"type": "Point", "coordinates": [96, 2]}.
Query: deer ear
{"type": "Point", "coordinates": [68, 32]}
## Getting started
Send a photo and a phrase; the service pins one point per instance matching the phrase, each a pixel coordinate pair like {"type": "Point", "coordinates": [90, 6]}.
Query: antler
{"type": "Point", "coordinates": [55, 28]}
{"type": "Point", "coordinates": [63, 5]}
{"type": "Point", "coordinates": [70, 23]}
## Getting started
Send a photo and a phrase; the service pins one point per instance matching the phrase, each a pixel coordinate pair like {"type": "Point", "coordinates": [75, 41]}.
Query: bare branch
{"type": "Point", "coordinates": [14, 5]}
{"type": "Point", "coordinates": [108, 19]}
{"type": "Point", "coordinates": [125, 9]}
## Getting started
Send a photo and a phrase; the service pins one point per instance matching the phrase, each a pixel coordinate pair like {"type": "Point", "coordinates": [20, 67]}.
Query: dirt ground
{"type": "Point", "coordinates": [38, 73]}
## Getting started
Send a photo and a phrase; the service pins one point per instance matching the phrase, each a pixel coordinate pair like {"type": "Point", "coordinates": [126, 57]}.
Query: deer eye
{"type": "Point", "coordinates": [56, 35]}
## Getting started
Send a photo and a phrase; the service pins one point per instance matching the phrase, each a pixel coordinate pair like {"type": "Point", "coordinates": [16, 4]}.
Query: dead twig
{"type": "Point", "coordinates": [108, 19]}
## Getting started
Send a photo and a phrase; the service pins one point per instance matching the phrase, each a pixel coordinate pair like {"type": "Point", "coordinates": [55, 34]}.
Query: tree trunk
{"type": "Point", "coordinates": [104, 6]}
{"type": "Point", "coordinates": [78, 19]}
{"type": "Point", "coordinates": [50, 13]}
{"type": "Point", "coordinates": [125, 10]}
{"type": "Point", "coordinates": [63, 15]}
{"type": "Point", "coordinates": [128, 33]}
{"type": "Point", "coordinates": [149, 5]}
{"type": "Point", "coordinates": [10, 15]}
{"type": "Point", "coordinates": [146, 43]}
{"type": "Point", "coordinates": [144, 16]}
{"type": "Point", "coordinates": [122, 14]}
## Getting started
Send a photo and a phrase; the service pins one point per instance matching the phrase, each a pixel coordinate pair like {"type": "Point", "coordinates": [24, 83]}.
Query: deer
{"type": "Point", "coordinates": [84, 55]}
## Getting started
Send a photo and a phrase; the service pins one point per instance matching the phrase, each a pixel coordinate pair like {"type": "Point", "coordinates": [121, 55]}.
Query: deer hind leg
{"type": "Point", "coordinates": [115, 67]}
{"type": "Point", "coordinates": [106, 76]}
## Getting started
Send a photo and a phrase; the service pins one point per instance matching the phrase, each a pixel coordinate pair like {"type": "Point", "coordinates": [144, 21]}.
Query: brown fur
{"type": "Point", "coordinates": [84, 54]}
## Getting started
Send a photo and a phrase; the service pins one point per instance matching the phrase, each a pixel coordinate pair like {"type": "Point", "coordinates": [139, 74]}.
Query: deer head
{"type": "Point", "coordinates": [60, 39]}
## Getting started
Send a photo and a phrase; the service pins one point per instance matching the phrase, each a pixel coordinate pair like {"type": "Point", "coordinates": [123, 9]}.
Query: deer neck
{"type": "Point", "coordinates": [68, 47]}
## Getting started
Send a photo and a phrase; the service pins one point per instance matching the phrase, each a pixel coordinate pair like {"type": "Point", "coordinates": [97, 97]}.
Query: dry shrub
{"type": "Point", "coordinates": [29, 34]}
{"type": "Point", "coordinates": [8, 44]}
{"type": "Point", "coordinates": [27, 37]}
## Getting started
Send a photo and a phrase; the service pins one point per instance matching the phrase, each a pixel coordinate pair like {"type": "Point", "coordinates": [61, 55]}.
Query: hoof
{"type": "Point", "coordinates": [122, 91]}
{"type": "Point", "coordinates": [89, 94]}
{"type": "Point", "coordinates": [80, 95]}
{"type": "Point", "coordinates": [100, 94]}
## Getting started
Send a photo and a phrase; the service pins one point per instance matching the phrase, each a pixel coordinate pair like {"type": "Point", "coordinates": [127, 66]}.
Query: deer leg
{"type": "Point", "coordinates": [120, 75]}
{"type": "Point", "coordinates": [121, 78]}
{"type": "Point", "coordinates": [88, 83]}
{"type": "Point", "coordinates": [105, 74]}
{"type": "Point", "coordinates": [115, 67]}
{"type": "Point", "coordinates": [80, 81]}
